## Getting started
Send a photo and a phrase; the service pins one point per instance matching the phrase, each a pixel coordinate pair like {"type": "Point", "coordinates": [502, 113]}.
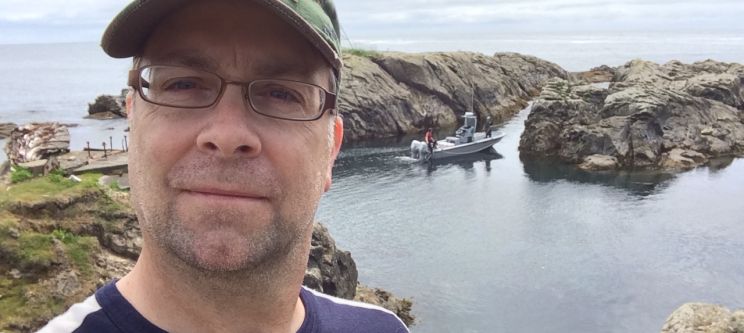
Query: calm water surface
{"type": "Point", "coordinates": [494, 244]}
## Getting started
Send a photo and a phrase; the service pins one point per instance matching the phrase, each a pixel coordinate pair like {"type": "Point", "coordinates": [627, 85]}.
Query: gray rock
{"type": "Point", "coordinates": [400, 306]}
{"type": "Point", "coordinates": [599, 162]}
{"type": "Point", "coordinates": [737, 321]}
{"type": "Point", "coordinates": [37, 141]}
{"type": "Point", "coordinates": [5, 129]}
{"type": "Point", "coordinates": [108, 107]}
{"type": "Point", "coordinates": [704, 318]}
{"type": "Point", "coordinates": [330, 270]}
{"type": "Point", "coordinates": [399, 93]}
{"type": "Point", "coordinates": [648, 117]}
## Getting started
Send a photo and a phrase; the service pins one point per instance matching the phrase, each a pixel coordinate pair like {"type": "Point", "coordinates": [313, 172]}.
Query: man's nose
{"type": "Point", "coordinates": [231, 129]}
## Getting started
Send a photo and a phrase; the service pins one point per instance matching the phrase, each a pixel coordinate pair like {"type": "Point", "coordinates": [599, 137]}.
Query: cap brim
{"type": "Point", "coordinates": [127, 33]}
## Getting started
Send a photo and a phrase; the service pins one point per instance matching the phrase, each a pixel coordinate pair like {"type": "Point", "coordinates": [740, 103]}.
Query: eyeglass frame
{"type": "Point", "coordinates": [135, 81]}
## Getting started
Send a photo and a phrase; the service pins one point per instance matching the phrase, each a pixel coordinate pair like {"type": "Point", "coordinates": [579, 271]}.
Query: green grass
{"type": "Point", "coordinates": [363, 53]}
{"type": "Point", "coordinates": [12, 302]}
{"type": "Point", "coordinates": [16, 307]}
{"type": "Point", "coordinates": [79, 250]}
{"type": "Point", "coordinates": [47, 187]}
{"type": "Point", "coordinates": [35, 250]}
{"type": "Point", "coordinates": [20, 174]}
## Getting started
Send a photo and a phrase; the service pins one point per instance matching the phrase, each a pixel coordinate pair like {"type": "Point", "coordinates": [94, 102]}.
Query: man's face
{"type": "Point", "coordinates": [224, 188]}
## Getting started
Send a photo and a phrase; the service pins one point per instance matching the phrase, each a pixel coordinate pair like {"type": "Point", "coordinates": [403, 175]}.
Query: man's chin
{"type": "Point", "coordinates": [228, 251]}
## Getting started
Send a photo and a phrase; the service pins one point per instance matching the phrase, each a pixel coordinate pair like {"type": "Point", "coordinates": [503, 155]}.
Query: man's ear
{"type": "Point", "coordinates": [338, 138]}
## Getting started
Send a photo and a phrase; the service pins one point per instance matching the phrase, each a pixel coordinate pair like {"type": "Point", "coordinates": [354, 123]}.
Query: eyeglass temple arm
{"type": "Point", "coordinates": [330, 103]}
{"type": "Point", "coordinates": [135, 82]}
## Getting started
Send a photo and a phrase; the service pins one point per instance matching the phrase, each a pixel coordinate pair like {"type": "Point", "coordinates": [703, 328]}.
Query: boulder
{"type": "Point", "coordinates": [37, 141]}
{"type": "Point", "coordinates": [704, 318]}
{"type": "Point", "coordinates": [671, 116]}
{"type": "Point", "coordinates": [330, 270]}
{"type": "Point", "coordinates": [598, 163]}
{"type": "Point", "coordinates": [399, 306]}
{"type": "Point", "coordinates": [599, 74]}
{"type": "Point", "coordinates": [108, 106]}
{"type": "Point", "coordinates": [391, 94]}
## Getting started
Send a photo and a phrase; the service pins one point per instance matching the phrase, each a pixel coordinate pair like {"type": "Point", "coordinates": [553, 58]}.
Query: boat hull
{"type": "Point", "coordinates": [421, 152]}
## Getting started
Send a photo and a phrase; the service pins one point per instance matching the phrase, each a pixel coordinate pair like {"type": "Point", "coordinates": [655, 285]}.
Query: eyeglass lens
{"type": "Point", "coordinates": [185, 87]}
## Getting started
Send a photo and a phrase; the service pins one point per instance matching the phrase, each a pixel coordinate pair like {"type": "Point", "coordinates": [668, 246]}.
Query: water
{"type": "Point", "coordinates": [489, 244]}
{"type": "Point", "coordinates": [55, 82]}
{"type": "Point", "coordinates": [494, 244]}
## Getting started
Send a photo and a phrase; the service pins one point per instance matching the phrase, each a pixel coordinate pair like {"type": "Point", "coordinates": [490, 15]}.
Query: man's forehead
{"type": "Point", "coordinates": [255, 64]}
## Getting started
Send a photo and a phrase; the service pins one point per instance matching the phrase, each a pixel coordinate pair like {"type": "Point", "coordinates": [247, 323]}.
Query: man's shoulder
{"type": "Point", "coordinates": [333, 314]}
{"type": "Point", "coordinates": [87, 316]}
{"type": "Point", "coordinates": [106, 311]}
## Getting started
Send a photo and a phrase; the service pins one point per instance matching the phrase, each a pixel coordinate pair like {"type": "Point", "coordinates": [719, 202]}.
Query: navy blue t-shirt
{"type": "Point", "coordinates": [109, 311]}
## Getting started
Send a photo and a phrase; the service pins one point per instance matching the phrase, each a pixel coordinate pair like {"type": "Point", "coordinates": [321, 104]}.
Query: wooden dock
{"type": "Point", "coordinates": [112, 164]}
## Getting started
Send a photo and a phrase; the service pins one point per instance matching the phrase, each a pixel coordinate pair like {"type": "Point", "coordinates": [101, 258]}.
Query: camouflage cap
{"type": "Point", "coordinates": [316, 20]}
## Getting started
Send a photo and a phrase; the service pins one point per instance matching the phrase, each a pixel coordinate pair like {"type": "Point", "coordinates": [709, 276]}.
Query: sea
{"type": "Point", "coordinates": [491, 243]}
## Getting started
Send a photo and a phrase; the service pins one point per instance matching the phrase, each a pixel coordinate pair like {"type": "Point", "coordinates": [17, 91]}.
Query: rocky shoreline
{"type": "Point", "coordinates": [670, 117]}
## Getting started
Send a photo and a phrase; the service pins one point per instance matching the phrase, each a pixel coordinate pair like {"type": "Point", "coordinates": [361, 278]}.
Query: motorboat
{"type": "Point", "coordinates": [466, 141]}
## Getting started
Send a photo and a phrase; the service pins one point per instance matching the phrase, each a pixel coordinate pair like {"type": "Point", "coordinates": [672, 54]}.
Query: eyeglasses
{"type": "Point", "coordinates": [189, 88]}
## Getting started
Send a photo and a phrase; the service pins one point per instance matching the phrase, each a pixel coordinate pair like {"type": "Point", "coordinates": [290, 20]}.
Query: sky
{"type": "Point", "coordinates": [49, 21]}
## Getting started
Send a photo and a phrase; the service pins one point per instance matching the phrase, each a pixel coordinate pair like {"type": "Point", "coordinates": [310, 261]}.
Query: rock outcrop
{"type": "Point", "coordinates": [37, 141]}
{"type": "Point", "coordinates": [108, 106]}
{"type": "Point", "coordinates": [58, 248]}
{"type": "Point", "coordinates": [704, 318]}
{"type": "Point", "coordinates": [5, 129]}
{"type": "Point", "coordinates": [392, 94]}
{"type": "Point", "coordinates": [599, 74]}
{"type": "Point", "coordinates": [330, 270]}
{"type": "Point", "coordinates": [671, 117]}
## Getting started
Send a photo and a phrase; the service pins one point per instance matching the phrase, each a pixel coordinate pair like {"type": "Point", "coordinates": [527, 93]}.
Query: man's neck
{"type": "Point", "coordinates": [181, 301]}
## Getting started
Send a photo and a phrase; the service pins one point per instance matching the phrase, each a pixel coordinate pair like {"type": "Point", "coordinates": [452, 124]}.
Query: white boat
{"type": "Point", "coordinates": [466, 141]}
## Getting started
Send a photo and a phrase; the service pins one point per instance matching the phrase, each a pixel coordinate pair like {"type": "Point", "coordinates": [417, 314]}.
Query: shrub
{"type": "Point", "coordinates": [363, 53]}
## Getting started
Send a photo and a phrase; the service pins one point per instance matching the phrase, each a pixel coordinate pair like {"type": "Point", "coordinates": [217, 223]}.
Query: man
{"type": "Point", "coordinates": [233, 139]}
{"type": "Point", "coordinates": [431, 142]}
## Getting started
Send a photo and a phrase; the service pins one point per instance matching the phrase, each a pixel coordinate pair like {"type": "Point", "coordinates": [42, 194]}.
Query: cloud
{"type": "Point", "coordinates": [384, 16]}
{"type": "Point", "coordinates": [84, 20]}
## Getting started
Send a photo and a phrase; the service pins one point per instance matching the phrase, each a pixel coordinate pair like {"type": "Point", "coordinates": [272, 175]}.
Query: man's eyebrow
{"type": "Point", "coordinates": [277, 68]}
{"type": "Point", "coordinates": [187, 58]}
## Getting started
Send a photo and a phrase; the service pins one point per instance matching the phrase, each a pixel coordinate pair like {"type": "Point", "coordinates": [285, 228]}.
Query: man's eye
{"type": "Point", "coordinates": [180, 84]}
{"type": "Point", "coordinates": [283, 95]}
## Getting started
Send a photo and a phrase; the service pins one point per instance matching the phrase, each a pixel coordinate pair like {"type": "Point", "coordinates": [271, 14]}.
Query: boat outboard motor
{"type": "Point", "coordinates": [419, 149]}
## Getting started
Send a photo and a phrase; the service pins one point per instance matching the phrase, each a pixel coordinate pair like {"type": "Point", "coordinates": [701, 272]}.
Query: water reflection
{"type": "Point", "coordinates": [467, 162]}
{"type": "Point", "coordinates": [642, 183]}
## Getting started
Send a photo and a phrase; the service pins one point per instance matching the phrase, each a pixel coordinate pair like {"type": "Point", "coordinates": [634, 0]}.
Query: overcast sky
{"type": "Point", "coordinates": [42, 21]}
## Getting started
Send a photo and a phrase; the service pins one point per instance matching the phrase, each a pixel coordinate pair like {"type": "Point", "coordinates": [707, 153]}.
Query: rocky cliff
{"type": "Point", "coordinates": [60, 241]}
{"type": "Point", "coordinates": [673, 116]}
{"type": "Point", "coordinates": [391, 94]}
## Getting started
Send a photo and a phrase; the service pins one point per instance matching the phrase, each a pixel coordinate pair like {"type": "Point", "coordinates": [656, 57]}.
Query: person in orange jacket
{"type": "Point", "coordinates": [431, 143]}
